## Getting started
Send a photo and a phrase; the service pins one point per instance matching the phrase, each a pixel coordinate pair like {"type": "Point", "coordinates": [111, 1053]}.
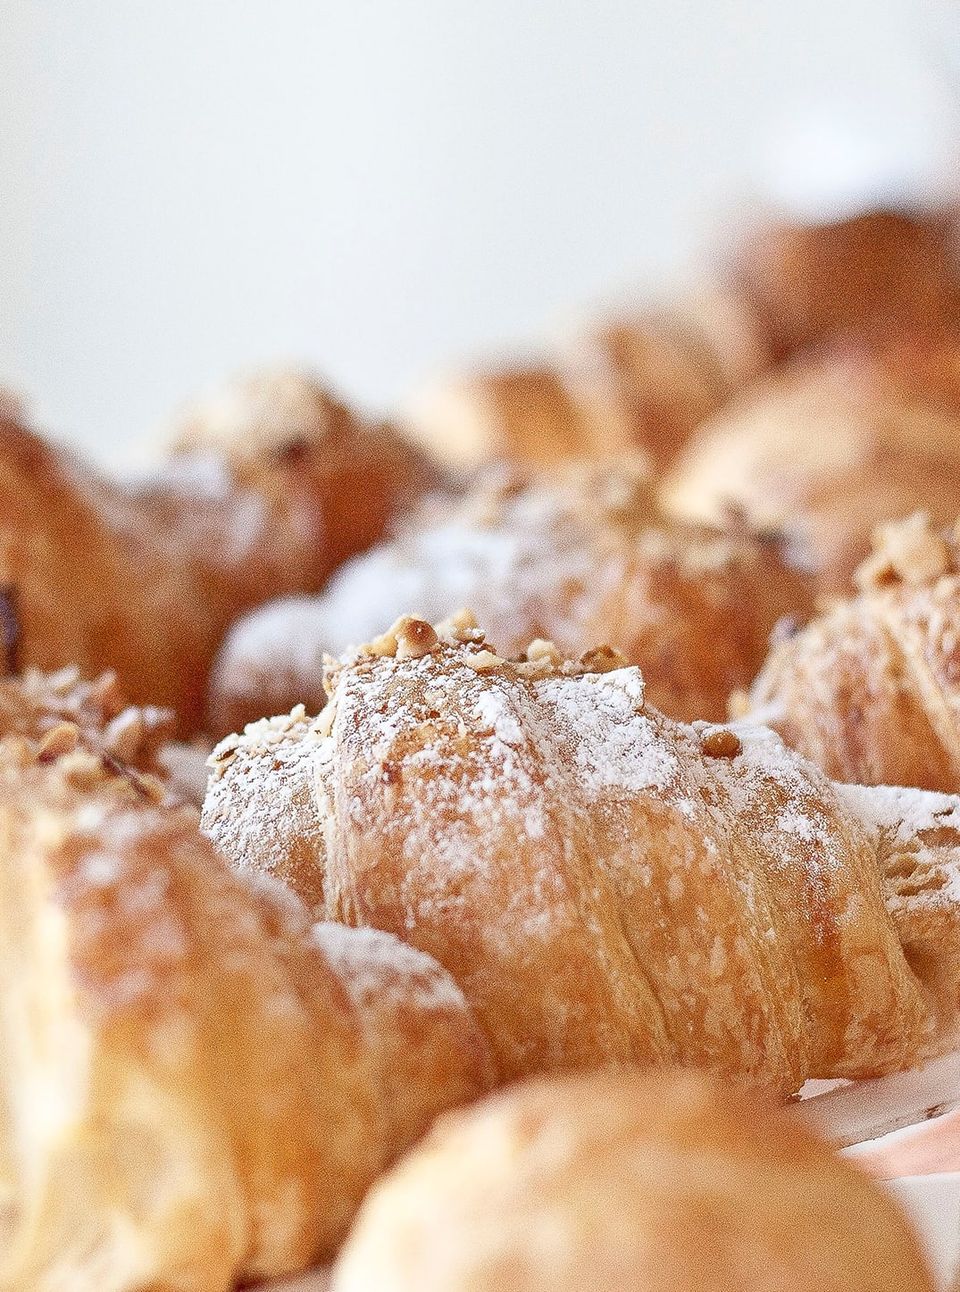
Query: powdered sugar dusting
{"type": "Point", "coordinates": [616, 745]}
{"type": "Point", "coordinates": [921, 822]}
{"type": "Point", "coordinates": [506, 815]}
{"type": "Point", "coordinates": [374, 964]}
{"type": "Point", "coordinates": [902, 812]}
{"type": "Point", "coordinates": [493, 713]}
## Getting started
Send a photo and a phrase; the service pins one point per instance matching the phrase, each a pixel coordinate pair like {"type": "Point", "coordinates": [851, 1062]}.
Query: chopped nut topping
{"type": "Point", "coordinates": [721, 742]}
{"type": "Point", "coordinates": [324, 723]}
{"type": "Point", "coordinates": [107, 690]}
{"type": "Point", "coordinates": [602, 659]}
{"type": "Point", "coordinates": [408, 638]}
{"type": "Point", "coordinates": [908, 551]}
{"type": "Point", "coordinates": [460, 627]}
{"type": "Point", "coordinates": [415, 638]}
{"type": "Point", "coordinates": [83, 771]}
{"type": "Point", "coordinates": [124, 734]}
{"type": "Point", "coordinates": [384, 646]}
{"type": "Point", "coordinates": [483, 661]}
{"type": "Point", "coordinates": [542, 651]}
{"type": "Point", "coordinates": [64, 680]}
{"type": "Point", "coordinates": [61, 739]}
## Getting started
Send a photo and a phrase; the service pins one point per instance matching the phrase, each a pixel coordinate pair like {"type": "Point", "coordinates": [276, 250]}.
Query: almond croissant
{"type": "Point", "coordinates": [662, 1183]}
{"type": "Point", "coordinates": [272, 490]}
{"type": "Point", "coordinates": [870, 690]}
{"type": "Point", "coordinates": [576, 557]}
{"type": "Point", "coordinates": [196, 1086]}
{"type": "Point", "coordinates": [606, 885]}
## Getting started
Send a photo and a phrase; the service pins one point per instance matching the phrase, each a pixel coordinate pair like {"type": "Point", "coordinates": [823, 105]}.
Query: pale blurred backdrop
{"type": "Point", "coordinates": [380, 188]}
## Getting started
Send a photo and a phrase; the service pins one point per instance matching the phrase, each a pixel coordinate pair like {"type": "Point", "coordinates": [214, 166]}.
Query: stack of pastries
{"type": "Point", "coordinates": [581, 778]}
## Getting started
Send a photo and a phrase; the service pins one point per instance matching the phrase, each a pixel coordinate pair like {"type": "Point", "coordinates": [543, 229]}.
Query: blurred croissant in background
{"type": "Point", "coordinates": [273, 484]}
{"type": "Point", "coordinates": [835, 448]}
{"type": "Point", "coordinates": [576, 556]}
{"type": "Point", "coordinates": [644, 379]}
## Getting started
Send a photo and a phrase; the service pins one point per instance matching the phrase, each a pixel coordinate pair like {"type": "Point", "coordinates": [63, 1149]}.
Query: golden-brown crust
{"type": "Point", "coordinates": [532, 415]}
{"type": "Point", "coordinates": [870, 690]}
{"type": "Point", "coordinates": [836, 447]}
{"type": "Point", "coordinates": [878, 275]}
{"type": "Point", "coordinates": [215, 1100]}
{"type": "Point", "coordinates": [631, 381]}
{"type": "Point", "coordinates": [664, 1183]}
{"type": "Point", "coordinates": [672, 368]}
{"type": "Point", "coordinates": [575, 559]}
{"type": "Point", "coordinates": [145, 578]}
{"type": "Point", "coordinates": [606, 886]}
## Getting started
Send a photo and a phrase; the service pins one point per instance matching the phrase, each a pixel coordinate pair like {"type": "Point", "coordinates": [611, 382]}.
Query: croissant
{"type": "Point", "coordinates": [661, 1183]}
{"type": "Point", "coordinates": [870, 690]}
{"type": "Point", "coordinates": [877, 276]}
{"type": "Point", "coordinates": [196, 1085]}
{"type": "Point", "coordinates": [628, 382]}
{"type": "Point", "coordinates": [145, 577]}
{"type": "Point", "coordinates": [606, 885]}
{"type": "Point", "coordinates": [575, 558]}
{"type": "Point", "coordinates": [835, 447]}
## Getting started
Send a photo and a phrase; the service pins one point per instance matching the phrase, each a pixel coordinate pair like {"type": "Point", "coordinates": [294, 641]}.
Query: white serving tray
{"type": "Point", "coordinates": [883, 1118]}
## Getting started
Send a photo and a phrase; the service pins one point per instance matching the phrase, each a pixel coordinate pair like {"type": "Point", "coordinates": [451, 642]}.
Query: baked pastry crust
{"type": "Point", "coordinates": [834, 447]}
{"type": "Point", "coordinates": [144, 577]}
{"type": "Point", "coordinates": [606, 885]}
{"type": "Point", "coordinates": [665, 1183]}
{"type": "Point", "coordinates": [196, 1084]}
{"type": "Point", "coordinates": [631, 381]}
{"type": "Point", "coordinates": [876, 276]}
{"type": "Point", "coordinates": [576, 557]}
{"type": "Point", "coordinates": [870, 690]}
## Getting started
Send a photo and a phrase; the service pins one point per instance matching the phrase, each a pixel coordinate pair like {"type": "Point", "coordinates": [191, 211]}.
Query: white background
{"type": "Point", "coordinates": [191, 185]}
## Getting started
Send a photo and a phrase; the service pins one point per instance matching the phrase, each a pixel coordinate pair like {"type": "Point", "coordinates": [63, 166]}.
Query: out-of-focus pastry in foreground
{"type": "Point", "coordinates": [660, 1183]}
{"type": "Point", "coordinates": [870, 690]}
{"type": "Point", "coordinates": [198, 1085]}
{"type": "Point", "coordinates": [836, 448]}
{"type": "Point", "coordinates": [576, 557]}
{"type": "Point", "coordinates": [275, 483]}
{"type": "Point", "coordinates": [606, 885]}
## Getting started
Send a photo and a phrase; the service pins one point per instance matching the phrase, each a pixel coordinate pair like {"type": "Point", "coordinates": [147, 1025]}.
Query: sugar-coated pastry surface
{"type": "Point", "coordinates": [661, 1183]}
{"type": "Point", "coordinates": [606, 885]}
{"type": "Point", "coordinates": [575, 557]}
{"type": "Point", "coordinates": [870, 690]}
